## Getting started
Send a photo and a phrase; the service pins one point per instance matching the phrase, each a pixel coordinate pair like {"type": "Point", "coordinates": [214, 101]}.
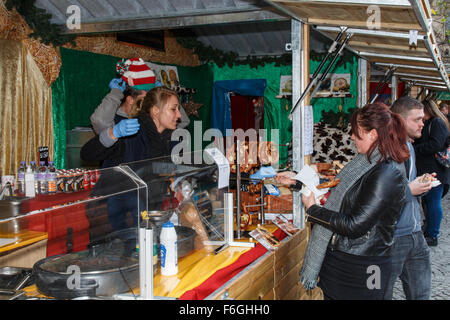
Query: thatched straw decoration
{"type": "Point", "coordinates": [4, 16]}
{"type": "Point", "coordinates": [107, 44]}
{"type": "Point", "coordinates": [45, 56]}
{"type": "Point", "coordinates": [14, 27]}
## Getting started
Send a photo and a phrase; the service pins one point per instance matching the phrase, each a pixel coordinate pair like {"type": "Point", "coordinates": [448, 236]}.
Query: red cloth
{"type": "Point", "coordinates": [47, 201]}
{"type": "Point", "coordinates": [57, 222]}
{"type": "Point", "coordinates": [221, 276]}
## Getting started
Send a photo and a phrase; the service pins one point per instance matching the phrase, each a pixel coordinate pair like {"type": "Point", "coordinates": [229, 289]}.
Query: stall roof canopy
{"type": "Point", "coordinates": [390, 33]}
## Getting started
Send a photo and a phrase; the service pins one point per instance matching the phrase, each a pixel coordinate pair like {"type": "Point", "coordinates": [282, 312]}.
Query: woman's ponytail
{"type": "Point", "coordinates": [136, 107]}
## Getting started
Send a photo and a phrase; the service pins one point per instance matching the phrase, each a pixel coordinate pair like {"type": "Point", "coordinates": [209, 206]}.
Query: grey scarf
{"type": "Point", "coordinates": [320, 236]}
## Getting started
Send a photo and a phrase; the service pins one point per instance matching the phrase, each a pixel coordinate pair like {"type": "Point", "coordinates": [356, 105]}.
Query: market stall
{"type": "Point", "coordinates": [77, 229]}
{"type": "Point", "coordinates": [209, 256]}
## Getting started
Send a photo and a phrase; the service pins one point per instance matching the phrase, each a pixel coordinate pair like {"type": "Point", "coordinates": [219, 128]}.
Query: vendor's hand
{"type": "Point", "coordinates": [117, 83]}
{"type": "Point", "coordinates": [126, 128]}
{"type": "Point", "coordinates": [285, 177]}
{"type": "Point", "coordinates": [418, 188]}
{"type": "Point", "coordinates": [309, 200]}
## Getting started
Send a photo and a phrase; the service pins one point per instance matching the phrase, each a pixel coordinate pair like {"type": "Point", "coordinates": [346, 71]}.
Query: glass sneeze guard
{"type": "Point", "coordinates": [93, 238]}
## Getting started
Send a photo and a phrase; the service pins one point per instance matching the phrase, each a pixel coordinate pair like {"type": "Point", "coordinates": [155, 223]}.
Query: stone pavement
{"type": "Point", "coordinates": [440, 261]}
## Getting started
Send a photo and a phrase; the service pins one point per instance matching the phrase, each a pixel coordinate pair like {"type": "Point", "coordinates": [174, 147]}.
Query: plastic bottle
{"type": "Point", "coordinates": [30, 190]}
{"type": "Point", "coordinates": [34, 169]}
{"type": "Point", "coordinates": [168, 250]}
{"type": "Point", "coordinates": [51, 178]}
{"type": "Point", "coordinates": [21, 178]}
{"type": "Point", "coordinates": [42, 178]}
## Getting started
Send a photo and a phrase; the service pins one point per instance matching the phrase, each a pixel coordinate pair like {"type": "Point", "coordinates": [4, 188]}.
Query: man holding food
{"type": "Point", "coordinates": [411, 255]}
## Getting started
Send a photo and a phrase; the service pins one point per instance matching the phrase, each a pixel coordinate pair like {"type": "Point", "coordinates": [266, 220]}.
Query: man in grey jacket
{"type": "Point", "coordinates": [411, 255]}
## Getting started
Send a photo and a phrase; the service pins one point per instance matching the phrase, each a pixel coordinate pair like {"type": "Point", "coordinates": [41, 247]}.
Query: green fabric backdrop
{"type": "Point", "coordinates": [275, 114]}
{"type": "Point", "coordinates": [84, 79]}
{"type": "Point", "coordinates": [327, 104]}
{"type": "Point", "coordinates": [82, 83]}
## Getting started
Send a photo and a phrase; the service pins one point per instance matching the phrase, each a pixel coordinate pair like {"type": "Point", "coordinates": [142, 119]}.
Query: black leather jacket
{"type": "Point", "coordinates": [366, 221]}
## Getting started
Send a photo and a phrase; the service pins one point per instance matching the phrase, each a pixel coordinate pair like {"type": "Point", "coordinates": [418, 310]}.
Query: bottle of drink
{"type": "Point", "coordinates": [59, 181]}
{"type": "Point", "coordinates": [51, 178]}
{"type": "Point", "coordinates": [168, 249]}
{"type": "Point", "coordinates": [30, 190]}
{"type": "Point", "coordinates": [21, 178]}
{"type": "Point", "coordinates": [34, 169]}
{"type": "Point", "coordinates": [42, 178]}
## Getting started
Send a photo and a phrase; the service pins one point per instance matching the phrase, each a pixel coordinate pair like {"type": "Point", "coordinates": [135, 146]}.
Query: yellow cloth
{"type": "Point", "coordinates": [26, 108]}
{"type": "Point", "coordinates": [193, 270]}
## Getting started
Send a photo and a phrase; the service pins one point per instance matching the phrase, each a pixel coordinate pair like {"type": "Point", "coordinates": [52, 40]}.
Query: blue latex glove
{"type": "Point", "coordinates": [117, 83]}
{"type": "Point", "coordinates": [263, 172]}
{"type": "Point", "coordinates": [126, 128]}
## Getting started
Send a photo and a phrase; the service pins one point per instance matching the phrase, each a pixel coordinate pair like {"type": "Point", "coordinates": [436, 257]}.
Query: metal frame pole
{"type": "Point", "coordinates": [298, 86]}
{"type": "Point", "coordinates": [238, 190]}
{"type": "Point", "coordinates": [394, 89]}
{"type": "Point", "coordinates": [313, 82]}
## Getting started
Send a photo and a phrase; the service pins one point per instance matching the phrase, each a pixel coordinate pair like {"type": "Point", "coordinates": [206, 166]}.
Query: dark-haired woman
{"type": "Point", "coordinates": [435, 138]}
{"type": "Point", "coordinates": [115, 106]}
{"type": "Point", "coordinates": [353, 232]}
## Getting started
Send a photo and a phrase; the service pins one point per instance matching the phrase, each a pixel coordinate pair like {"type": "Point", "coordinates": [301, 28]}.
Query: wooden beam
{"type": "Point", "coordinates": [402, 62]}
{"type": "Point", "coordinates": [383, 3]}
{"type": "Point", "coordinates": [158, 23]}
{"type": "Point", "coordinates": [419, 72]}
{"type": "Point", "coordinates": [363, 24]}
{"type": "Point", "coordinates": [363, 46]}
{"type": "Point", "coordinates": [337, 14]}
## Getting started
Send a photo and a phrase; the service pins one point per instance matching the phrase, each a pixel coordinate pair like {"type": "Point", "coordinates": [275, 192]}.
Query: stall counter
{"type": "Point", "coordinates": [273, 276]}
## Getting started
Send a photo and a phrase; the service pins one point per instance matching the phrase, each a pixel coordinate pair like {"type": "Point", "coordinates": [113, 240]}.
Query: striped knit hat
{"type": "Point", "coordinates": [136, 73]}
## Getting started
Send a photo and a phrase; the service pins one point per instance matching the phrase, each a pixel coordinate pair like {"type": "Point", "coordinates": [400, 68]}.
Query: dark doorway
{"type": "Point", "coordinates": [247, 112]}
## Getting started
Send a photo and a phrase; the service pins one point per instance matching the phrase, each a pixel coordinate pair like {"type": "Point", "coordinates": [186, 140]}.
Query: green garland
{"type": "Point", "coordinates": [230, 58]}
{"type": "Point", "coordinates": [341, 61]}
{"type": "Point", "coordinates": [339, 119]}
{"type": "Point", "coordinates": [39, 21]}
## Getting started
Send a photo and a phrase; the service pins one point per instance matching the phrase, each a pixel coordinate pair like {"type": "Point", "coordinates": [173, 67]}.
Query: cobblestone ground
{"type": "Point", "coordinates": [440, 261]}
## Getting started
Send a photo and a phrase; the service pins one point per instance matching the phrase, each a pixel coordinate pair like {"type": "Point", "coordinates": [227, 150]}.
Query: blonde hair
{"type": "Point", "coordinates": [431, 108]}
{"type": "Point", "coordinates": [155, 97]}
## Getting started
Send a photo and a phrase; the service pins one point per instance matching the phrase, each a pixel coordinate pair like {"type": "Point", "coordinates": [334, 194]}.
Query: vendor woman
{"type": "Point", "coordinates": [144, 136]}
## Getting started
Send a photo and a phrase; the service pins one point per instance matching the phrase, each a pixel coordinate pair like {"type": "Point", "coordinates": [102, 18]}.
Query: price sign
{"type": "Point", "coordinates": [43, 154]}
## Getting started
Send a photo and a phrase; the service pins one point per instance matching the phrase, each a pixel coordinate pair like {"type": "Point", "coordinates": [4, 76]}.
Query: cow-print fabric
{"type": "Point", "coordinates": [332, 144]}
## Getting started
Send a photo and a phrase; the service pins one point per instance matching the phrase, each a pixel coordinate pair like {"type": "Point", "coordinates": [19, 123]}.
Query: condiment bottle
{"type": "Point", "coordinates": [168, 250]}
